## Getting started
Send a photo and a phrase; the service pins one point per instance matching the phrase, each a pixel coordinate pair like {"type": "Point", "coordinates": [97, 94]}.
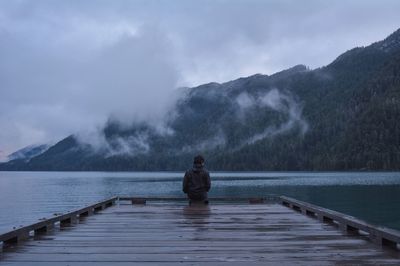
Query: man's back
{"type": "Point", "coordinates": [197, 182]}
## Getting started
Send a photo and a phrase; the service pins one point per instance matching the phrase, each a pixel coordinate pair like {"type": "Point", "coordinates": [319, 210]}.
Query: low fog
{"type": "Point", "coordinates": [279, 102]}
{"type": "Point", "coordinates": [67, 67]}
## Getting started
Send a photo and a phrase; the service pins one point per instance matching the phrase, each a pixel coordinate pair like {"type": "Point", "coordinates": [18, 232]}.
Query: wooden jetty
{"type": "Point", "coordinates": [167, 231]}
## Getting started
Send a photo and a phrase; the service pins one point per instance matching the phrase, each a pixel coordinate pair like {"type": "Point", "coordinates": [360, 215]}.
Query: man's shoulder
{"type": "Point", "coordinates": [205, 171]}
{"type": "Point", "coordinates": [192, 171]}
{"type": "Point", "coordinates": [188, 172]}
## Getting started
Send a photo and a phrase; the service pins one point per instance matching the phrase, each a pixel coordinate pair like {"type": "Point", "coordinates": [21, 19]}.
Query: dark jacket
{"type": "Point", "coordinates": [197, 183]}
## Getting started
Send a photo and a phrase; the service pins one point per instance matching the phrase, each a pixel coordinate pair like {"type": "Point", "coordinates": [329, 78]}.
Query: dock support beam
{"type": "Point", "coordinates": [22, 235]}
{"type": "Point", "coordinates": [43, 229]}
{"type": "Point", "coordinates": [99, 208]}
{"type": "Point", "coordinates": [138, 201]}
{"type": "Point", "coordinates": [86, 213]}
{"type": "Point", "coordinates": [256, 200]}
{"type": "Point", "coordinates": [69, 221]}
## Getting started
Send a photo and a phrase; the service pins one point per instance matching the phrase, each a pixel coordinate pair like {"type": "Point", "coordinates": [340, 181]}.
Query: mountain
{"type": "Point", "coordinates": [344, 116]}
{"type": "Point", "coordinates": [25, 154]}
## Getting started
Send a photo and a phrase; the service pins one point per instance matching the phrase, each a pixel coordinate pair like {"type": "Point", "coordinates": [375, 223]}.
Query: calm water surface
{"type": "Point", "coordinates": [27, 196]}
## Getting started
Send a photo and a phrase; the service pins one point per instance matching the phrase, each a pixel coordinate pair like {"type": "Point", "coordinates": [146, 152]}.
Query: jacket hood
{"type": "Point", "coordinates": [197, 167]}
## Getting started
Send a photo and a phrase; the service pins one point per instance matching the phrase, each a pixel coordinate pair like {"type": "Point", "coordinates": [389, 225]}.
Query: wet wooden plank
{"type": "Point", "coordinates": [263, 234]}
{"type": "Point", "coordinates": [348, 224]}
{"type": "Point", "coordinates": [46, 224]}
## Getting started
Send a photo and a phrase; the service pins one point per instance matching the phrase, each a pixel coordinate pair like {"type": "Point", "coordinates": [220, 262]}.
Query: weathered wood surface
{"type": "Point", "coordinates": [348, 224]}
{"type": "Point", "coordinates": [23, 233]}
{"type": "Point", "coordinates": [269, 198]}
{"type": "Point", "coordinates": [175, 234]}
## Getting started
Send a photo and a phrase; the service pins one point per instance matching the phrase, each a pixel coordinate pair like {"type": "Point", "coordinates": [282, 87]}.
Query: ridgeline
{"type": "Point", "coordinates": [344, 116]}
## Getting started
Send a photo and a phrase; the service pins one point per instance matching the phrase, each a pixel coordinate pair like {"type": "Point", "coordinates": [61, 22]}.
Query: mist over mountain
{"type": "Point", "coordinates": [28, 152]}
{"type": "Point", "coordinates": [344, 116]}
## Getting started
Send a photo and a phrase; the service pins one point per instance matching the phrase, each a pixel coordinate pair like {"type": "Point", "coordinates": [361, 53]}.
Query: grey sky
{"type": "Point", "coordinates": [66, 66]}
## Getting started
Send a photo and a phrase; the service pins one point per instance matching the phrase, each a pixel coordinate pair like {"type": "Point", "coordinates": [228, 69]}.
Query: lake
{"type": "Point", "coordinates": [27, 196]}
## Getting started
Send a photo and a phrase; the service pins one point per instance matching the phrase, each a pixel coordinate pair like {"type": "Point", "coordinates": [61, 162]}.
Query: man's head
{"type": "Point", "coordinates": [198, 161]}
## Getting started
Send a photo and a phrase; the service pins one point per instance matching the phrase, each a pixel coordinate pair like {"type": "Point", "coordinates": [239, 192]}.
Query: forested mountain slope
{"type": "Point", "coordinates": [344, 116]}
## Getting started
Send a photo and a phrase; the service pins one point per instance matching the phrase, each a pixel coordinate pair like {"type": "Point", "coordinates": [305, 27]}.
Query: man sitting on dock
{"type": "Point", "coordinates": [197, 182]}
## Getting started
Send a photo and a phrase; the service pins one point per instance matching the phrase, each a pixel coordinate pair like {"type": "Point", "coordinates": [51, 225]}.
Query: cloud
{"type": "Point", "coordinates": [49, 94]}
{"type": "Point", "coordinates": [275, 100]}
{"type": "Point", "coordinates": [131, 145]}
{"type": "Point", "coordinates": [240, 109]}
{"type": "Point", "coordinates": [215, 141]}
{"type": "Point", "coordinates": [67, 66]}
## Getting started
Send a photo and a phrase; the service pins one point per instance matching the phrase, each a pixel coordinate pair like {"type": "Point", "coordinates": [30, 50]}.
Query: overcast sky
{"type": "Point", "coordinates": [66, 66]}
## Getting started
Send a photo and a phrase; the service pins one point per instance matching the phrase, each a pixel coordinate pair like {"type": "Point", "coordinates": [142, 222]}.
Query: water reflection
{"type": "Point", "coordinates": [197, 216]}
